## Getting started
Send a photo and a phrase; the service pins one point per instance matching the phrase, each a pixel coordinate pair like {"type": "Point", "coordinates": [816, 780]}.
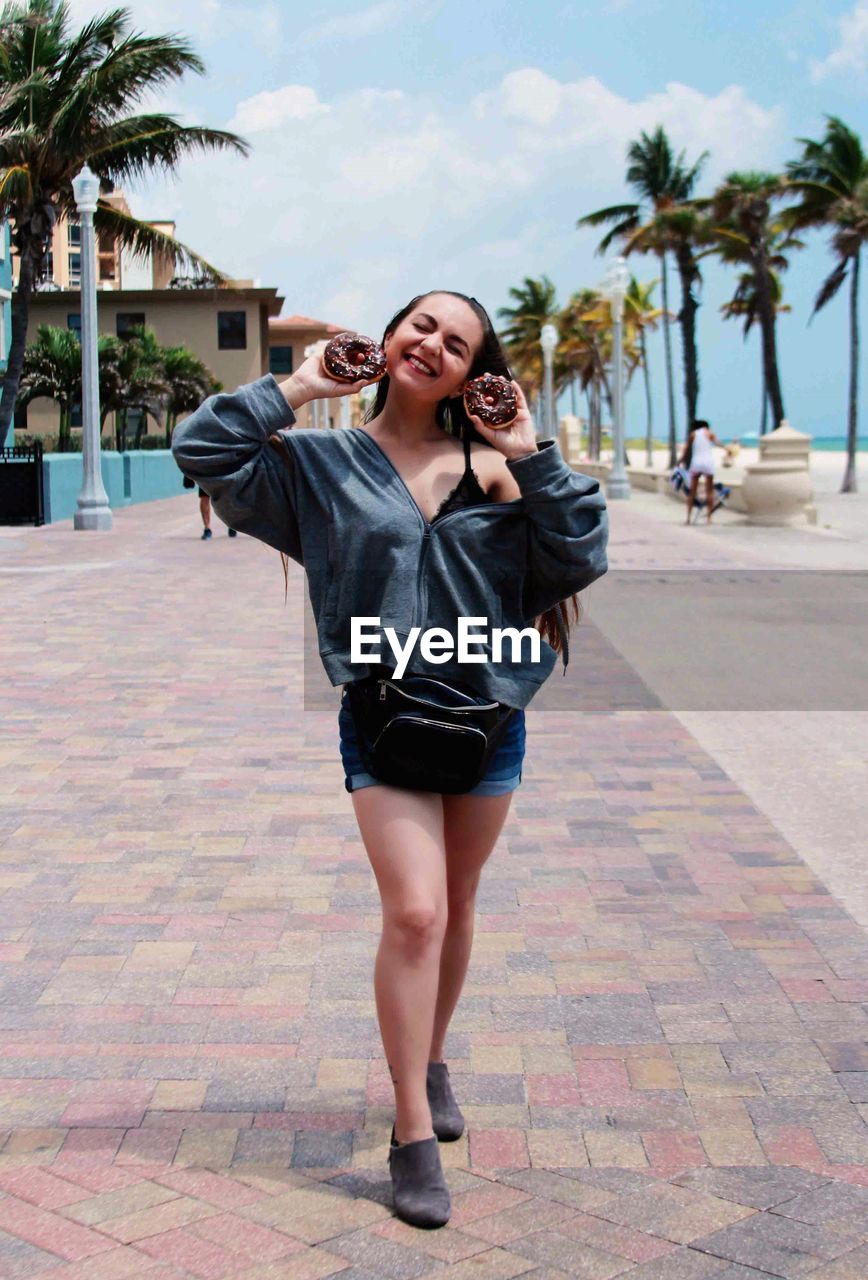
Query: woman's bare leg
{"type": "Point", "coordinates": [403, 834]}
{"type": "Point", "coordinates": [709, 495]}
{"type": "Point", "coordinates": [691, 496]}
{"type": "Point", "coordinates": [471, 826]}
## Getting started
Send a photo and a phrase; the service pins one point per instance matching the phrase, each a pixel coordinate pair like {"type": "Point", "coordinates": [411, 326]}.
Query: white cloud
{"type": "Point", "coordinates": [351, 203]}
{"type": "Point", "coordinates": [851, 54]}
{"type": "Point", "coordinates": [272, 109]}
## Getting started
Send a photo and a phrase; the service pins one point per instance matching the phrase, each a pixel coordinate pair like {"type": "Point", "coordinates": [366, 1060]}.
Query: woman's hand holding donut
{"type": "Point", "coordinates": [311, 382]}
{"type": "Point", "coordinates": [517, 438]}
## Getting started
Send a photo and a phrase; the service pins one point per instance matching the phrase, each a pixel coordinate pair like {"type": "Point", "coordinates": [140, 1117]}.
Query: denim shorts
{"type": "Point", "coordinates": [502, 775]}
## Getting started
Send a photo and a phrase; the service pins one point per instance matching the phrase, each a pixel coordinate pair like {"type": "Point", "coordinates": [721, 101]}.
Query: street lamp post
{"type": "Point", "coordinates": [615, 289]}
{"type": "Point", "coordinates": [93, 510]}
{"type": "Point", "coordinates": [548, 339]}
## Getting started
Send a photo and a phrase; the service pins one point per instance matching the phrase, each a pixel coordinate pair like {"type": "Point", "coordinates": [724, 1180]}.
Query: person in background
{"type": "Point", "coordinates": [205, 510]}
{"type": "Point", "coordinates": [698, 457]}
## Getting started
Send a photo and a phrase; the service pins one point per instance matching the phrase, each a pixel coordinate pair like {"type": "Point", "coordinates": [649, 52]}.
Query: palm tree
{"type": "Point", "coordinates": [534, 304]}
{"type": "Point", "coordinates": [744, 303]}
{"type": "Point", "coordinates": [664, 220]}
{"type": "Point", "coordinates": [132, 380]}
{"type": "Point", "coordinates": [71, 97]}
{"type": "Point", "coordinates": [52, 369]}
{"type": "Point", "coordinates": [640, 315]}
{"type": "Point", "coordinates": [746, 233]}
{"type": "Point", "coordinates": [189, 382]}
{"type": "Point", "coordinates": [832, 177]}
{"type": "Point", "coordinates": [585, 347]}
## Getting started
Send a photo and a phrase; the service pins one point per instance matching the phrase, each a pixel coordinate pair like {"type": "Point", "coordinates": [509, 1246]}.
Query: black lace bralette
{"type": "Point", "coordinates": [467, 493]}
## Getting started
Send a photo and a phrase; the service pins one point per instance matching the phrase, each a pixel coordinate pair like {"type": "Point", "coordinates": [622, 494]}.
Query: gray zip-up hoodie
{"type": "Point", "coordinates": [334, 502]}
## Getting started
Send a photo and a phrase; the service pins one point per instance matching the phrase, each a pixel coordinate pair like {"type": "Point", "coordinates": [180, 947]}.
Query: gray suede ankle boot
{"type": "Point", "coordinates": [446, 1118]}
{"type": "Point", "coordinates": [419, 1189]}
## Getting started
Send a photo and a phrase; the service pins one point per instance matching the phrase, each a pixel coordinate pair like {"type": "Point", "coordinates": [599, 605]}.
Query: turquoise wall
{"type": "Point", "coordinates": [140, 475]}
{"type": "Point", "coordinates": [5, 304]}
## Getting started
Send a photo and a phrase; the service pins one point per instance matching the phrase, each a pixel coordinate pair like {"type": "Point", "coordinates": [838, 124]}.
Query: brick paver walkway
{"type": "Point", "coordinates": [661, 1049]}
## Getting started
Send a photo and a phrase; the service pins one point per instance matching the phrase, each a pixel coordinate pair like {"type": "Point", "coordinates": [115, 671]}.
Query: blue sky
{"type": "Point", "coordinates": [410, 144]}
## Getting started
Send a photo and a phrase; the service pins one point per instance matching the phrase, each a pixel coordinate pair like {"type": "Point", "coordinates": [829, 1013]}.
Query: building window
{"type": "Point", "coordinates": [74, 268]}
{"type": "Point", "coordinates": [73, 321]}
{"type": "Point", "coordinates": [106, 268]}
{"type": "Point", "coordinates": [232, 330]}
{"type": "Point", "coordinates": [47, 270]}
{"type": "Point", "coordinates": [75, 418]}
{"type": "Point", "coordinates": [20, 418]}
{"type": "Point", "coordinates": [74, 234]}
{"type": "Point", "coordinates": [280, 359]}
{"type": "Point", "coordinates": [127, 321]}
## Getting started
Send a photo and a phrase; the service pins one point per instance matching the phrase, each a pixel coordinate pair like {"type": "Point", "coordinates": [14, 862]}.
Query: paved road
{"type": "Point", "coordinates": [660, 1052]}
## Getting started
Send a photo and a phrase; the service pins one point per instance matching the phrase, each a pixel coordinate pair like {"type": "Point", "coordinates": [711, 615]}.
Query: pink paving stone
{"type": "Point", "coordinates": [102, 1115]}
{"type": "Point", "coordinates": [120, 1264]}
{"type": "Point", "coordinates": [148, 1145]}
{"type": "Point", "coordinates": [669, 1151]}
{"type": "Point", "coordinates": [204, 1185]}
{"type": "Point", "coordinates": [498, 1149]}
{"type": "Point", "coordinates": [41, 1187]}
{"type": "Point", "coordinates": [624, 1242]}
{"type": "Point", "coordinates": [854, 1173]}
{"type": "Point", "coordinates": [334, 1121]}
{"type": "Point", "coordinates": [553, 1091]}
{"type": "Point", "coordinates": [95, 1177]}
{"type": "Point", "coordinates": [47, 1231]}
{"type": "Point", "coordinates": [211, 1050]}
{"type": "Point", "coordinates": [98, 1145]}
{"type": "Point", "coordinates": [479, 1202]}
{"type": "Point", "coordinates": [209, 995]}
{"type": "Point", "coordinates": [129, 1092]}
{"type": "Point", "coordinates": [792, 1144]}
{"type": "Point", "coordinates": [174, 1121]}
{"type": "Point", "coordinates": [603, 1083]}
{"type": "Point", "coordinates": [258, 1242]}
{"type": "Point", "coordinates": [805, 989]}
{"type": "Point", "coordinates": [194, 1254]}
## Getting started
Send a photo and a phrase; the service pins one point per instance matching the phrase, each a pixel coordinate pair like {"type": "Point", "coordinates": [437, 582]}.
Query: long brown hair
{"type": "Point", "coordinates": [451, 417]}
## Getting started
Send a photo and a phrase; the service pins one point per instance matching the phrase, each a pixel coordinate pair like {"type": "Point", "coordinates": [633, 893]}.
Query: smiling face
{"type": "Point", "coordinates": [433, 348]}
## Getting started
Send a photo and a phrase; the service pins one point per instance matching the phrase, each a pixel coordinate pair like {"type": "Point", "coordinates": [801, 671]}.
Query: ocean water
{"type": "Point", "coordinates": [828, 444]}
{"type": "Point", "coordinates": [837, 443]}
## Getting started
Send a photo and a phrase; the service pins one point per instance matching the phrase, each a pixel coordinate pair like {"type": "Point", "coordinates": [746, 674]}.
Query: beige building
{"type": "Point", "coordinates": [236, 329]}
{"type": "Point", "coordinates": [226, 327]}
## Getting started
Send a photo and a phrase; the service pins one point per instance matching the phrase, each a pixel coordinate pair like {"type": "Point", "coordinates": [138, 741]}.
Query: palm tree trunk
{"type": "Point", "coordinates": [766, 308]}
{"type": "Point", "coordinates": [667, 345]}
{"type": "Point", "coordinates": [20, 316]}
{"type": "Point", "coordinates": [764, 416]}
{"type": "Point", "coordinates": [687, 318]}
{"type": "Point", "coordinates": [171, 418]}
{"type": "Point", "coordinates": [649, 413]}
{"type": "Point", "coordinates": [849, 484]}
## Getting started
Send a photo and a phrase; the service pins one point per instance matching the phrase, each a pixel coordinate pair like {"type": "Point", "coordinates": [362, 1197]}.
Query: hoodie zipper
{"type": "Point", "coordinates": [428, 527]}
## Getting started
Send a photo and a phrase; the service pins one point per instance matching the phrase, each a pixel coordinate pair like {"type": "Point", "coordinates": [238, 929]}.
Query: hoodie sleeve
{"type": "Point", "coordinates": [227, 449]}
{"type": "Point", "coordinates": [568, 528]}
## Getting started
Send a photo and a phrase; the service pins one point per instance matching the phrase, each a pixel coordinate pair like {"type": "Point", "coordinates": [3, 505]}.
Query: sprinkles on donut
{"type": "Point", "coordinates": [491, 398]}
{"type": "Point", "coordinates": [351, 357]}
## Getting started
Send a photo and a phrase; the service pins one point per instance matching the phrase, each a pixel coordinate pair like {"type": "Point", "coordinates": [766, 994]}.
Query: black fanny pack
{"type": "Point", "coordinates": [425, 734]}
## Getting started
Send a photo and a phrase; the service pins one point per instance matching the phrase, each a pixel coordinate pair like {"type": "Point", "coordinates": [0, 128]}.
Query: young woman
{"type": "Point", "coordinates": [698, 457]}
{"type": "Point", "coordinates": [388, 524]}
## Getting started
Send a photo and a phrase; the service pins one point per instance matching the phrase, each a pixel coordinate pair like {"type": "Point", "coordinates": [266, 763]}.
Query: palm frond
{"type": "Point", "coordinates": [145, 241]}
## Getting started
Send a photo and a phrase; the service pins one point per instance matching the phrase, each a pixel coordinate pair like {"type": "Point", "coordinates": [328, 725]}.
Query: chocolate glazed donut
{"type": "Point", "coordinates": [491, 398]}
{"type": "Point", "coordinates": [351, 357]}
